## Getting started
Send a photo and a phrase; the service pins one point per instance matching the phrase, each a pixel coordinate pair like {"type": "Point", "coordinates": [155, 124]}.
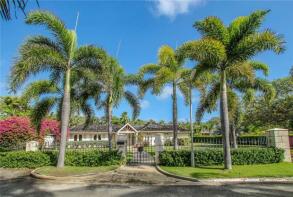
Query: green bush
{"type": "Point", "coordinates": [206, 157]}
{"type": "Point", "coordinates": [22, 159]}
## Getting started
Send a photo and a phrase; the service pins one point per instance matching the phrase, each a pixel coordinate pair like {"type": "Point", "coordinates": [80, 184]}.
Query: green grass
{"type": "Point", "coordinates": [73, 170]}
{"type": "Point", "coordinates": [243, 171]}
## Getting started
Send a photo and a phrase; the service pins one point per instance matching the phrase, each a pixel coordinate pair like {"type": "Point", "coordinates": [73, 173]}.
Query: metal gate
{"type": "Point", "coordinates": [141, 153]}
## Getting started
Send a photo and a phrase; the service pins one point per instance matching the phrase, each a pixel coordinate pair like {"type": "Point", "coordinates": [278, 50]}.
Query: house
{"type": "Point", "coordinates": [132, 134]}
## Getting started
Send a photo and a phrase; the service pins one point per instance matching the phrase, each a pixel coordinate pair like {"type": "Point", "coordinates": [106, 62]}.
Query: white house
{"type": "Point", "coordinates": [132, 134]}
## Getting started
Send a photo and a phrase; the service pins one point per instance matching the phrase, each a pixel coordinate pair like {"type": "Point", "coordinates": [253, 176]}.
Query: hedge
{"type": "Point", "coordinates": [22, 159]}
{"type": "Point", "coordinates": [206, 157]}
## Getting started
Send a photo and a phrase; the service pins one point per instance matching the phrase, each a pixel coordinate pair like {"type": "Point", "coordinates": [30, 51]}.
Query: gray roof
{"type": "Point", "coordinates": [148, 127]}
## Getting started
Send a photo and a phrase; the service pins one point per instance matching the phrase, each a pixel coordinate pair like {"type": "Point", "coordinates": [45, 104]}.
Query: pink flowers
{"type": "Point", "coordinates": [50, 126]}
{"type": "Point", "coordinates": [15, 131]}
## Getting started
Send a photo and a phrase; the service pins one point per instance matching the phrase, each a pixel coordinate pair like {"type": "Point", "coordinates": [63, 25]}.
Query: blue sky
{"type": "Point", "coordinates": [142, 27]}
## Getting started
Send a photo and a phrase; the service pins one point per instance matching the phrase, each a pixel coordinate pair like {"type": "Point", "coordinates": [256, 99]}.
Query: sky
{"type": "Point", "coordinates": [133, 31]}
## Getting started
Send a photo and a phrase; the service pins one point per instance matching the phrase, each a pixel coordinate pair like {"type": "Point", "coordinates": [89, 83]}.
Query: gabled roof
{"type": "Point", "coordinates": [127, 128]}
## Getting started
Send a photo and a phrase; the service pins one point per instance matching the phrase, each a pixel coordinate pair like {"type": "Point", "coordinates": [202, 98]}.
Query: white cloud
{"type": "Point", "coordinates": [171, 8]}
{"type": "Point", "coordinates": [144, 104]}
{"type": "Point", "coordinates": [167, 93]}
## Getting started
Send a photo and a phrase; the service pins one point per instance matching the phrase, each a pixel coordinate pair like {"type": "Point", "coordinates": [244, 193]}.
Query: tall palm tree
{"type": "Point", "coordinates": [58, 56]}
{"type": "Point", "coordinates": [107, 89]}
{"type": "Point", "coordinates": [168, 71]}
{"type": "Point", "coordinates": [236, 43]}
{"type": "Point", "coordinates": [188, 80]}
{"type": "Point", "coordinates": [240, 82]}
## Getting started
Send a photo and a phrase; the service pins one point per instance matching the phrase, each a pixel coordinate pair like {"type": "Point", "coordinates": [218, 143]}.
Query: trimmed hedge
{"type": "Point", "coordinates": [22, 159]}
{"type": "Point", "coordinates": [206, 157]}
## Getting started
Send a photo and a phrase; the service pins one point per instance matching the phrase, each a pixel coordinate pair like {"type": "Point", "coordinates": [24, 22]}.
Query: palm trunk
{"type": "Point", "coordinates": [233, 136]}
{"type": "Point", "coordinates": [175, 122]}
{"type": "Point", "coordinates": [110, 128]}
{"type": "Point", "coordinates": [191, 125]}
{"type": "Point", "coordinates": [225, 122]}
{"type": "Point", "coordinates": [64, 120]}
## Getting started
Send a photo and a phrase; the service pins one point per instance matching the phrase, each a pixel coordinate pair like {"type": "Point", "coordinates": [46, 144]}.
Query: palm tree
{"type": "Point", "coordinates": [168, 71]}
{"type": "Point", "coordinates": [235, 44]}
{"type": "Point", "coordinates": [191, 82]}
{"type": "Point", "coordinates": [240, 81]}
{"type": "Point", "coordinates": [59, 56]}
{"type": "Point", "coordinates": [107, 89]}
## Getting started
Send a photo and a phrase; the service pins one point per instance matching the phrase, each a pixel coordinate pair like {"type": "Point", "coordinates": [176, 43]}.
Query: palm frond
{"type": "Point", "coordinates": [134, 103]}
{"type": "Point", "coordinates": [39, 88]}
{"type": "Point", "coordinates": [208, 101]}
{"type": "Point", "coordinates": [41, 110]}
{"type": "Point", "coordinates": [64, 37]}
{"type": "Point", "coordinates": [243, 26]}
{"type": "Point", "coordinates": [256, 43]}
{"type": "Point", "coordinates": [213, 27]}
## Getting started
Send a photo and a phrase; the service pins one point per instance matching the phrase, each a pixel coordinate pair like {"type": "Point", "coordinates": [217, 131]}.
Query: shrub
{"type": "Point", "coordinates": [22, 159]}
{"type": "Point", "coordinates": [181, 142]}
{"type": "Point", "coordinates": [15, 131]}
{"type": "Point", "coordinates": [168, 142]}
{"type": "Point", "coordinates": [241, 156]}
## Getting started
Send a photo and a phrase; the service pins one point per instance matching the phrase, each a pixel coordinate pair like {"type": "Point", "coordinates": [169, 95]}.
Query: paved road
{"type": "Point", "coordinates": [32, 187]}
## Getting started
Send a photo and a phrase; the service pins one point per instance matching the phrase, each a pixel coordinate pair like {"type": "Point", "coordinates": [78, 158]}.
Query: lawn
{"type": "Point", "coordinates": [73, 170]}
{"type": "Point", "coordinates": [243, 171]}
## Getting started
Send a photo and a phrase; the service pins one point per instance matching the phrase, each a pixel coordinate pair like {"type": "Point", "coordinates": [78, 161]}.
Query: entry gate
{"type": "Point", "coordinates": [141, 153]}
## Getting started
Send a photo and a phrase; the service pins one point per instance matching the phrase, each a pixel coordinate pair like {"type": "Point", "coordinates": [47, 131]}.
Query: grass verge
{"type": "Point", "coordinates": [73, 170]}
{"type": "Point", "coordinates": [276, 170]}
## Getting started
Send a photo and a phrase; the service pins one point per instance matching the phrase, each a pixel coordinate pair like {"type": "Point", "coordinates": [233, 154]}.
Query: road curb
{"type": "Point", "coordinates": [73, 177]}
{"type": "Point", "coordinates": [231, 180]}
{"type": "Point", "coordinates": [175, 176]}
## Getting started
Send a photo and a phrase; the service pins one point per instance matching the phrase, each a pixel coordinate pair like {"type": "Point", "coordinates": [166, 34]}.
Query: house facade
{"type": "Point", "coordinates": [129, 133]}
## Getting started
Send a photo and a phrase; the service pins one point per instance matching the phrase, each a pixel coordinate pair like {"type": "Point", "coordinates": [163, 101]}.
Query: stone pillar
{"type": "Point", "coordinates": [32, 146]}
{"type": "Point", "coordinates": [159, 147]}
{"type": "Point", "coordinates": [279, 138]}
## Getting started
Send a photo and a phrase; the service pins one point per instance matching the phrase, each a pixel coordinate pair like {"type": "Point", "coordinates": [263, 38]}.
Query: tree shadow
{"type": "Point", "coordinates": [25, 186]}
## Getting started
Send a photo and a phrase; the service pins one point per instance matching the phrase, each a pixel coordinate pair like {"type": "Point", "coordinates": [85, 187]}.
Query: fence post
{"type": "Point", "coordinates": [32, 146]}
{"type": "Point", "coordinates": [159, 147]}
{"type": "Point", "coordinates": [279, 138]}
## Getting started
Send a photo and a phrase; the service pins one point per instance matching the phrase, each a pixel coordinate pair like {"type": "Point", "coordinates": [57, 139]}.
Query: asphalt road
{"type": "Point", "coordinates": [32, 187]}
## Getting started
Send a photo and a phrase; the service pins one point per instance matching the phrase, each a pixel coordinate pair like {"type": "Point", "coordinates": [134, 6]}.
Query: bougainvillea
{"type": "Point", "coordinates": [15, 131]}
{"type": "Point", "coordinates": [50, 126]}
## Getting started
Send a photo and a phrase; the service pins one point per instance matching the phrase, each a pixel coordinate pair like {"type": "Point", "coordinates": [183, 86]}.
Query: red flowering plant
{"type": "Point", "coordinates": [50, 126]}
{"type": "Point", "coordinates": [15, 131]}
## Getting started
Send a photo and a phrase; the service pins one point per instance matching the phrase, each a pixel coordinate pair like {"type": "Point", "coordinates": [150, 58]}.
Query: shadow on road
{"type": "Point", "coordinates": [22, 187]}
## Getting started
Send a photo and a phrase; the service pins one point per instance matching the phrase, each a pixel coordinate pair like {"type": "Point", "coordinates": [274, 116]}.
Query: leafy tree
{"type": "Point", "coordinates": [168, 71]}
{"type": "Point", "coordinates": [107, 89]}
{"type": "Point", "coordinates": [13, 106]}
{"type": "Point", "coordinates": [233, 45]}
{"type": "Point", "coordinates": [124, 118]}
{"type": "Point", "coordinates": [263, 114]}
{"type": "Point", "coordinates": [59, 56]}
